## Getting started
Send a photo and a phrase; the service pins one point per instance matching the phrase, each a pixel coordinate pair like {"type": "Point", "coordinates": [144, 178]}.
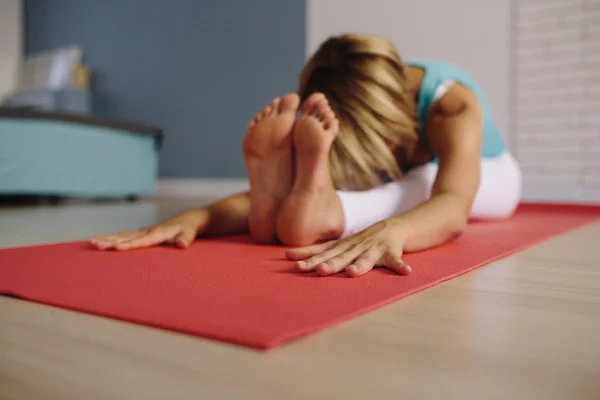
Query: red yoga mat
{"type": "Point", "coordinates": [235, 291]}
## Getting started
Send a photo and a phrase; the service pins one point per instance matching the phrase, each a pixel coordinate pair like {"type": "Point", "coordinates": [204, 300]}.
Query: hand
{"type": "Point", "coordinates": [379, 245]}
{"type": "Point", "coordinates": [180, 230]}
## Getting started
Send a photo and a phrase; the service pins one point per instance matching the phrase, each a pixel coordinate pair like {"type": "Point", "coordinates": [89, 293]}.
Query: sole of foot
{"type": "Point", "coordinates": [312, 211]}
{"type": "Point", "coordinates": [267, 150]}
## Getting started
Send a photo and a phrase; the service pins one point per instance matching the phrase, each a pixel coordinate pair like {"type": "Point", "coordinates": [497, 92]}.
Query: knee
{"type": "Point", "coordinates": [508, 210]}
{"type": "Point", "coordinates": [500, 190]}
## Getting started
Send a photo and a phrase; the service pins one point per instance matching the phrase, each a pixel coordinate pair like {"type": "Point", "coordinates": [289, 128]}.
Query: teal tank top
{"type": "Point", "coordinates": [438, 72]}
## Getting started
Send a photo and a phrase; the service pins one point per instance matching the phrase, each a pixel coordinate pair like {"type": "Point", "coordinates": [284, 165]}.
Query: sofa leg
{"type": "Point", "coordinates": [54, 200]}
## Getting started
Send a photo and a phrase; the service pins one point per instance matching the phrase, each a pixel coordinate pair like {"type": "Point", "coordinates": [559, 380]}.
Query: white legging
{"type": "Point", "coordinates": [498, 195]}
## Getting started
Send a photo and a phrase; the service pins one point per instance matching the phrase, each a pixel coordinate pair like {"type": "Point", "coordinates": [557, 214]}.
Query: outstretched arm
{"type": "Point", "coordinates": [225, 217]}
{"type": "Point", "coordinates": [454, 131]}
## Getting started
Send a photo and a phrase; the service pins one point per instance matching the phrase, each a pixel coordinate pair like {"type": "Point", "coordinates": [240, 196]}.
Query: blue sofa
{"type": "Point", "coordinates": [71, 155]}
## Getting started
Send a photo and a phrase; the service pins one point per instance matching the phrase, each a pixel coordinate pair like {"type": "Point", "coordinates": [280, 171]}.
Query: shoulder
{"type": "Point", "coordinates": [457, 100]}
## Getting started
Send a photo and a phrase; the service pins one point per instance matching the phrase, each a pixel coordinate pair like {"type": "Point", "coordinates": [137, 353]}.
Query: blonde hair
{"type": "Point", "coordinates": [364, 81]}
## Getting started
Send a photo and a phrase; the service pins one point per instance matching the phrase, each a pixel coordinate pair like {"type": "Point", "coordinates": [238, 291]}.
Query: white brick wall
{"type": "Point", "coordinates": [556, 97]}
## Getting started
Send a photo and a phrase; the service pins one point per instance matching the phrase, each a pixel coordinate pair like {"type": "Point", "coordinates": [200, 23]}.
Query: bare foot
{"type": "Point", "coordinates": [312, 211]}
{"type": "Point", "coordinates": [268, 154]}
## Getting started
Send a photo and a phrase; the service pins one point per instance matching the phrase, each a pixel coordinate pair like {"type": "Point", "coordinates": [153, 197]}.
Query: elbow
{"type": "Point", "coordinates": [458, 210]}
{"type": "Point", "coordinates": [458, 224]}
{"type": "Point", "coordinates": [458, 229]}
{"type": "Point", "coordinates": [457, 216]}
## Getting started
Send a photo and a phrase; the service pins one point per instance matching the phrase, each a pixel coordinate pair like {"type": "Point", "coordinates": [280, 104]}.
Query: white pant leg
{"type": "Point", "coordinates": [498, 195]}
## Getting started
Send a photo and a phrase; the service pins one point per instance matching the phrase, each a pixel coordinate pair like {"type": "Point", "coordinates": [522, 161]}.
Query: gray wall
{"type": "Point", "coordinates": [199, 69]}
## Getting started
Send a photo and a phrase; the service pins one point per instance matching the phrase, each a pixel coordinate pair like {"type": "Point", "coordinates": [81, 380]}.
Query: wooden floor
{"type": "Point", "coordinates": [526, 327]}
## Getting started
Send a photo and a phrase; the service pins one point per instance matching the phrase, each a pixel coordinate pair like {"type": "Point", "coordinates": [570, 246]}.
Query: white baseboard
{"type": "Point", "coordinates": [200, 188]}
{"type": "Point", "coordinates": [560, 194]}
{"type": "Point", "coordinates": [218, 188]}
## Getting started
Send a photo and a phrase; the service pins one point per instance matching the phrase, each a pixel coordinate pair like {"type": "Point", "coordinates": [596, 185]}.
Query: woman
{"type": "Point", "coordinates": [386, 157]}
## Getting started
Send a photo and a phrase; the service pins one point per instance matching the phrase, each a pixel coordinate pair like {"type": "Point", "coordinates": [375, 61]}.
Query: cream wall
{"type": "Point", "coordinates": [474, 34]}
{"type": "Point", "coordinates": [10, 44]}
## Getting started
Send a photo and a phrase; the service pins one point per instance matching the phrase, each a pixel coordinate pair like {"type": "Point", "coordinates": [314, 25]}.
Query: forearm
{"type": "Point", "coordinates": [433, 222]}
{"type": "Point", "coordinates": [228, 216]}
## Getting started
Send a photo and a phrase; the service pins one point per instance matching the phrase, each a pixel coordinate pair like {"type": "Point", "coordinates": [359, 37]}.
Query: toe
{"type": "Point", "coordinates": [327, 115]}
{"type": "Point", "coordinates": [267, 110]}
{"type": "Point", "coordinates": [320, 108]}
{"type": "Point", "coordinates": [310, 109]}
{"type": "Point", "coordinates": [321, 111]}
{"type": "Point", "coordinates": [322, 103]}
{"type": "Point", "coordinates": [311, 101]}
{"type": "Point", "coordinates": [275, 105]}
{"type": "Point", "coordinates": [332, 125]}
{"type": "Point", "coordinates": [289, 103]}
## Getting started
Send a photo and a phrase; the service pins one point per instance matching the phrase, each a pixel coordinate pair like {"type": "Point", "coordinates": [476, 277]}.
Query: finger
{"type": "Point", "coordinates": [102, 245]}
{"type": "Point", "coordinates": [365, 262]}
{"type": "Point", "coordinates": [113, 244]}
{"type": "Point", "coordinates": [131, 242]}
{"type": "Point", "coordinates": [395, 263]}
{"type": "Point", "coordinates": [109, 242]}
{"type": "Point", "coordinates": [149, 239]}
{"type": "Point", "coordinates": [311, 263]}
{"type": "Point", "coordinates": [115, 237]}
{"type": "Point", "coordinates": [302, 253]}
{"type": "Point", "coordinates": [185, 238]}
{"type": "Point", "coordinates": [131, 237]}
{"type": "Point", "coordinates": [339, 262]}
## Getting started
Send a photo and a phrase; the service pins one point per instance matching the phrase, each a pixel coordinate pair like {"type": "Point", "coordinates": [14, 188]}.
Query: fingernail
{"type": "Point", "coordinates": [354, 269]}
{"type": "Point", "coordinates": [301, 264]}
{"type": "Point", "coordinates": [408, 268]}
